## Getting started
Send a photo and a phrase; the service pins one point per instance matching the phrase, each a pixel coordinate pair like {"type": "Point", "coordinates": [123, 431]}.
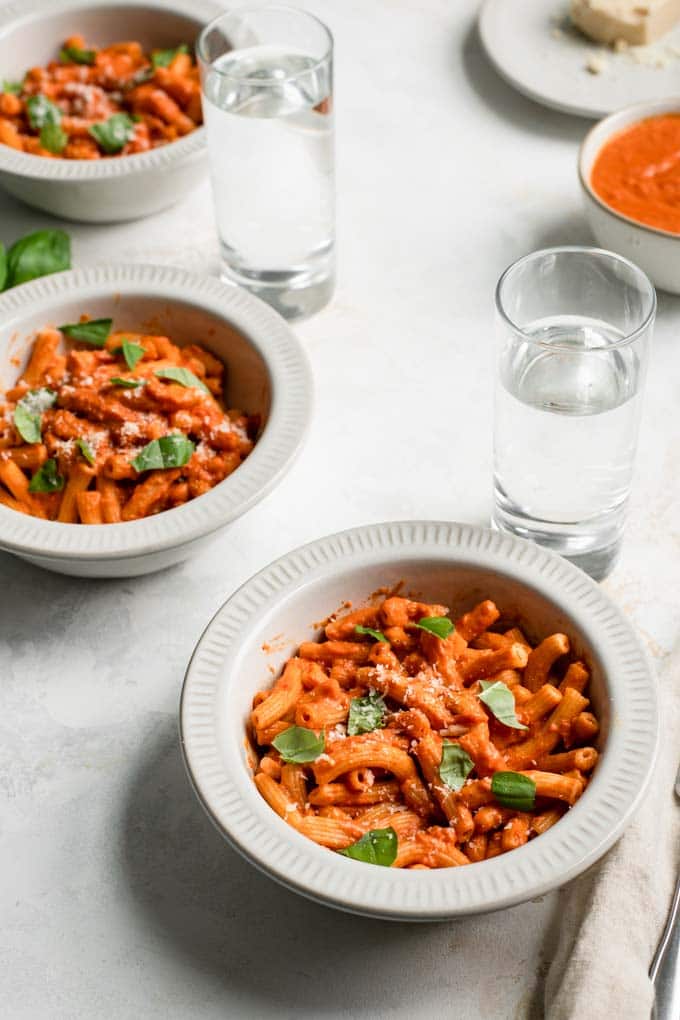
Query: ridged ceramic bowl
{"type": "Point", "coordinates": [267, 373]}
{"type": "Point", "coordinates": [458, 565]}
{"type": "Point", "coordinates": [656, 251]}
{"type": "Point", "coordinates": [105, 190]}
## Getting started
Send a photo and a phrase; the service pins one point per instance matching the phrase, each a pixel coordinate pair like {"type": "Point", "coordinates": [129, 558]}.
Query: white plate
{"type": "Point", "coordinates": [532, 46]}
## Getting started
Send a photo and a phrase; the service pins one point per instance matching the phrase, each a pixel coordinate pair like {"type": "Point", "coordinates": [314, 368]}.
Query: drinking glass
{"type": "Point", "coordinates": [574, 329]}
{"type": "Point", "coordinates": [267, 77]}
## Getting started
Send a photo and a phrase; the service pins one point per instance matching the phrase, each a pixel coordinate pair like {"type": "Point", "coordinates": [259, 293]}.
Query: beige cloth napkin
{"type": "Point", "coordinates": [612, 917]}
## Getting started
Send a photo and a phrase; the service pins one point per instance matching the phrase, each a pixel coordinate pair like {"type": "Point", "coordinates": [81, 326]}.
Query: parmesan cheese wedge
{"type": "Point", "coordinates": [636, 22]}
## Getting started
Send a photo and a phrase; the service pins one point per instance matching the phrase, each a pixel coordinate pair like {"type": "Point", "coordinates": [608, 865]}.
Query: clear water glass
{"type": "Point", "coordinates": [574, 329]}
{"type": "Point", "coordinates": [267, 83]}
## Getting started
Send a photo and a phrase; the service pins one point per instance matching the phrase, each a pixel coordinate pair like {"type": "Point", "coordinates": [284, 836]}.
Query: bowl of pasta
{"type": "Point", "coordinates": [100, 105]}
{"type": "Point", "coordinates": [141, 409]}
{"type": "Point", "coordinates": [471, 724]}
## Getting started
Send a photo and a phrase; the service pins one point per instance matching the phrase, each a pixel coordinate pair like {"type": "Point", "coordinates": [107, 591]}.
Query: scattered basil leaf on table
{"type": "Point", "coordinates": [182, 376]}
{"type": "Point", "coordinates": [128, 384]}
{"type": "Point", "coordinates": [14, 87]}
{"type": "Point", "coordinates": [378, 846]}
{"type": "Point", "coordinates": [112, 134]}
{"type": "Point", "coordinates": [38, 254]}
{"type": "Point", "coordinates": [299, 745]}
{"type": "Point", "coordinates": [513, 790]}
{"type": "Point", "coordinates": [46, 478]}
{"type": "Point", "coordinates": [132, 353]}
{"type": "Point", "coordinates": [376, 634]}
{"type": "Point", "coordinates": [440, 626]}
{"type": "Point", "coordinates": [53, 138]}
{"type": "Point", "coordinates": [94, 332]}
{"type": "Point", "coordinates": [28, 413]}
{"type": "Point", "coordinates": [167, 452]}
{"type": "Point", "coordinates": [500, 700]}
{"type": "Point", "coordinates": [74, 55]}
{"type": "Point", "coordinates": [42, 111]}
{"type": "Point", "coordinates": [455, 766]}
{"type": "Point", "coordinates": [366, 714]}
{"type": "Point", "coordinates": [86, 450]}
{"type": "Point", "coordinates": [163, 58]}
{"type": "Point", "coordinates": [3, 266]}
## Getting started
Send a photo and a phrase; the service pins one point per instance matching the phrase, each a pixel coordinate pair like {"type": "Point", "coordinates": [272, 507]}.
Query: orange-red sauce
{"type": "Point", "coordinates": [638, 172]}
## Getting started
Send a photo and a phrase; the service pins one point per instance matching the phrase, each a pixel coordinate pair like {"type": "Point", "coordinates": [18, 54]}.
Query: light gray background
{"type": "Point", "coordinates": [118, 899]}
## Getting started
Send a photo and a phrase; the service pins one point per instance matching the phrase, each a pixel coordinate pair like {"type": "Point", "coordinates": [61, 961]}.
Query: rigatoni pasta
{"type": "Point", "coordinates": [402, 738]}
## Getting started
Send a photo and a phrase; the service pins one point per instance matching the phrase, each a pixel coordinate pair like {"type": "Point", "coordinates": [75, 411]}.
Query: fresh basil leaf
{"type": "Point", "coordinates": [132, 353]}
{"type": "Point", "coordinates": [28, 413]}
{"type": "Point", "coordinates": [53, 138]}
{"type": "Point", "coordinates": [94, 332]}
{"type": "Point", "coordinates": [46, 478]}
{"type": "Point", "coordinates": [86, 450]}
{"type": "Point", "coordinates": [112, 134]}
{"type": "Point", "coordinates": [440, 626]}
{"type": "Point", "coordinates": [366, 714]}
{"type": "Point", "coordinates": [128, 384]}
{"type": "Point", "coordinates": [163, 58]}
{"type": "Point", "coordinates": [74, 55]}
{"type": "Point", "coordinates": [501, 701]}
{"type": "Point", "coordinates": [38, 254]}
{"type": "Point", "coordinates": [3, 266]}
{"type": "Point", "coordinates": [378, 846]}
{"type": "Point", "coordinates": [14, 87]}
{"type": "Point", "coordinates": [182, 376]}
{"type": "Point", "coordinates": [513, 790]}
{"type": "Point", "coordinates": [300, 745]}
{"type": "Point", "coordinates": [455, 766]}
{"type": "Point", "coordinates": [167, 452]}
{"type": "Point", "coordinates": [377, 635]}
{"type": "Point", "coordinates": [42, 111]}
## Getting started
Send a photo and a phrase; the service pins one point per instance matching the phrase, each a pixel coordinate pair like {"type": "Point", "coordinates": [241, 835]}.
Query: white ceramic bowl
{"type": "Point", "coordinates": [106, 190]}
{"type": "Point", "coordinates": [656, 251]}
{"type": "Point", "coordinates": [456, 564]}
{"type": "Point", "coordinates": [267, 373]}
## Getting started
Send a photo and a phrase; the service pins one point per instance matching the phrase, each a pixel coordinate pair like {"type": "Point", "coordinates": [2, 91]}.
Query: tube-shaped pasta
{"type": "Point", "coordinates": [541, 660]}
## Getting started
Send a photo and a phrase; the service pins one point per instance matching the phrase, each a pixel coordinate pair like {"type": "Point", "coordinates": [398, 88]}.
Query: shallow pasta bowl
{"type": "Point", "coordinates": [656, 251]}
{"type": "Point", "coordinates": [267, 373]}
{"type": "Point", "coordinates": [117, 188]}
{"type": "Point", "coordinates": [261, 625]}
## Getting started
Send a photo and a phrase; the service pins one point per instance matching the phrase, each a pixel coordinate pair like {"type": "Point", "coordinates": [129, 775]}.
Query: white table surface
{"type": "Point", "coordinates": [118, 899]}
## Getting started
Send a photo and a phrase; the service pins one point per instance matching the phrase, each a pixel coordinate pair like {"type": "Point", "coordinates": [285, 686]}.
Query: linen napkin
{"type": "Point", "coordinates": [611, 918]}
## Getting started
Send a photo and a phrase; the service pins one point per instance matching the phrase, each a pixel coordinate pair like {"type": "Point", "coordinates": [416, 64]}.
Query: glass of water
{"type": "Point", "coordinates": [574, 329]}
{"type": "Point", "coordinates": [267, 81]}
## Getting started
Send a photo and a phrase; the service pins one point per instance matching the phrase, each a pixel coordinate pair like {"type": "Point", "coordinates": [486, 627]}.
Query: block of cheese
{"type": "Point", "coordinates": [637, 22]}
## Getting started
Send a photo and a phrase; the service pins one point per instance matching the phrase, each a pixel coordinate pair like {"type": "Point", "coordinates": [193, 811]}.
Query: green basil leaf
{"type": "Point", "coordinates": [440, 626]}
{"type": "Point", "coordinates": [167, 452]}
{"type": "Point", "coordinates": [28, 413]}
{"type": "Point", "coordinates": [379, 846]}
{"type": "Point", "coordinates": [366, 714]}
{"type": "Point", "coordinates": [112, 134]}
{"type": "Point", "coordinates": [163, 58]}
{"type": "Point", "coordinates": [86, 450]}
{"type": "Point", "coordinates": [132, 353]}
{"type": "Point", "coordinates": [300, 745]}
{"type": "Point", "coordinates": [74, 55]}
{"type": "Point", "coordinates": [455, 766]}
{"type": "Point", "coordinates": [377, 635]}
{"type": "Point", "coordinates": [53, 138]}
{"type": "Point", "coordinates": [182, 376]}
{"type": "Point", "coordinates": [14, 87]}
{"type": "Point", "coordinates": [3, 266]}
{"type": "Point", "coordinates": [513, 790]}
{"type": "Point", "coordinates": [501, 701]}
{"type": "Point", "coordinates": [128, 384]}
{"type": "Point", "coordinates": [38, 254]}
{"type": "Point", "coordinates": [47, 479]}
{"type": "Point", "coordinates": [42, 111]}
{"type": "Point", "coordinates": [94, 332]}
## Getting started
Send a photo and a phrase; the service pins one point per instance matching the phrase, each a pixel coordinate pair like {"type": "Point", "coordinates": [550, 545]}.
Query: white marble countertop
{"type": "Point", "coordinates": [118, 899]}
